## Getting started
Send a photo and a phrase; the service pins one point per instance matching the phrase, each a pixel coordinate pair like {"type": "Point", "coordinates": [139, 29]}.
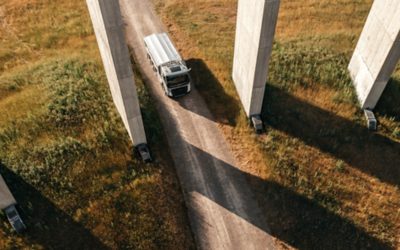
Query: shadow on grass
{"type": "Point", "coordinates": [218, 101]}
{"type": "Point", "coordinates": [389, 104]}
{"type": "Point", "coordinates": [47, 225]}
{"type": "Point", "coordinates": [286, 215]}
{"type": "Point", "coordinates": [370, 152]}
{"type": "Point", "coordinates": [289, 216]}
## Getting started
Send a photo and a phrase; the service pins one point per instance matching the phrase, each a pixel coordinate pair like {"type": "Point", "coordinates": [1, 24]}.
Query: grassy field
{"type": "Point", "coordinates": [322, 179]}
{"type": "Point", "coordinates": [63, 149]}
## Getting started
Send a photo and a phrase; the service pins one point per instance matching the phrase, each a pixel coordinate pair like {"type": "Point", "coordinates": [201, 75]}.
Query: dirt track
{"type": "Point", "coordinates": [222, 210]}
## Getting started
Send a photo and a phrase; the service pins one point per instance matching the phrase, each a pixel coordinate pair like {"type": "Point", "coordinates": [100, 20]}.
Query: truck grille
{"type": "Point", "coordinates": [179, 91]}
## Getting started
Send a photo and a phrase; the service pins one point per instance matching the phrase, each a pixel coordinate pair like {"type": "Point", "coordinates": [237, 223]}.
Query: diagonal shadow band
{"type": "Point", "coordinates": [291, 217]}
{"type": "Point", "coordinates": [219, 102]}
{"type": "Point", "coordinates": [311, 226]}
{"type": "Point", "coordinates": [389, 104]}
{"type": "Point", "coordinates": [47, 225]}
{"type": "Point", "coordinates": [371, 153]}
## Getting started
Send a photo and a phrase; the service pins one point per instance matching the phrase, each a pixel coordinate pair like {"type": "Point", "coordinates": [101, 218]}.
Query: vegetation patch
{"type": "Point", "coordinates": [63, 148]}
{"type": "Point", "coordinates": [322, 179]}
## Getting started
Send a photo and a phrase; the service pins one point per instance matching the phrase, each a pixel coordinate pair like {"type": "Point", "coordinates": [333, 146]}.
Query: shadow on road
{"type": "Point", "coordinates": [47, 225]}
{"type": "Point", "coordinates": [218, 101]}
{"type": "Point", "coordinates": [371, 153]}
{"type": "Point", "coordinates": [291, 218]}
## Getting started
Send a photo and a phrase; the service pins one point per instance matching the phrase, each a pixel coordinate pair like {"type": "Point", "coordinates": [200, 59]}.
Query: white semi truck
{"type": "Point", "coordinates": [171, 69]}
{"type": "Point", "coordinates": [7, 204]}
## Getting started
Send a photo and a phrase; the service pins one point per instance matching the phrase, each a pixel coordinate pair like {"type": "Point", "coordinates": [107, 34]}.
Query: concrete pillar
{"type": "Point", "coordinates": [377, 52]}
{"type": "Point", "coordinates": [109, 30]}
{"type": "Point", "coordinates": [255, 30]}
{"type": "Point", "coordinates": [6, 197]}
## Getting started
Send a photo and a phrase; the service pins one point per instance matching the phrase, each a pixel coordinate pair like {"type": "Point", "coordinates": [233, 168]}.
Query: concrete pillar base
{"type": "Point", "coordinates": [257, 123]}
{"type": "Point", "coordinates": [143, 152]}
{"type": "Point", "coordinates": [372, 123]}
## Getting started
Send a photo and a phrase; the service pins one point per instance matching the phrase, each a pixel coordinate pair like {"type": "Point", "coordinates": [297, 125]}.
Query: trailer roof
{"type": "Point", "coordinates": [6, 198]}
{"type": "Point", "coordinates": [161, 48]}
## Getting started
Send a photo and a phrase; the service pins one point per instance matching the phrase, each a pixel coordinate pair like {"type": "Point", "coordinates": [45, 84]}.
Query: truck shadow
{"type": "Point", "coordinates": [218, 101]}
{"type": "Point", "coordinates": [46, 224]}
{"type": "Point", "coordinates": [371, 153]}
{"type": "Point", "coordinates": [389, 104]}
{"type": "Point", "coordinates": [286, 215]}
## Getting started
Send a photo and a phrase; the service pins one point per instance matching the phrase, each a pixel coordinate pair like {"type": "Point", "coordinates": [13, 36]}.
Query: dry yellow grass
{"type": "Point", "coordinates": [323, 180]}
{"type": "Point", "coordinates": [63, 148]}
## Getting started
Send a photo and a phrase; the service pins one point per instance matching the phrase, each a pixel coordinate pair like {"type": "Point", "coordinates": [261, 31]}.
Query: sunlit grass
{"type": "Point", "coordinates": [60, 133]}
{"type": "Point", "coordinates": [313, 45]}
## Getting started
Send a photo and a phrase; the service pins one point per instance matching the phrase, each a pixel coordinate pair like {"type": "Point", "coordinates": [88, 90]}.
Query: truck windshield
{"type": "Point", "coordinates": [177, 80]}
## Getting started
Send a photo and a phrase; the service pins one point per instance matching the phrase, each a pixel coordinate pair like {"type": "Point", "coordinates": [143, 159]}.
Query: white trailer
{"type": "Point", "coordinates": [171, 69]}
{"type": "Point", "coordinates": [7, 204]}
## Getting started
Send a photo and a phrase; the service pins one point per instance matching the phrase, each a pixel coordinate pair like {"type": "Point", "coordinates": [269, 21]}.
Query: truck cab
{"type": "Point", "coordinates": [168, 64]}
{"type": "Point", "coordinates": [175, 79]}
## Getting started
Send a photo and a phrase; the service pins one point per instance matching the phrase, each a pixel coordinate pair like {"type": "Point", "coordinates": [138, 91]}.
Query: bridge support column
{"type": "Point", "coordinates": [109, 30]}
{"type": "Point", "coordinates": [255, 30]}
{"type": "Point", "coordinates": [377, 52]}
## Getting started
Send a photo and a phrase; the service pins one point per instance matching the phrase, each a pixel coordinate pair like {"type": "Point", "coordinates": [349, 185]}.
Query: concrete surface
{"type": "Point", "coordinates": [255, 30]}
{"type": "Point", "coordinates": [109, 30]}
{"type": "Point", "coordinates": [377, 52]}
{"type": "Point", "coordinates": [222, 210]}
{"type": "Point", "coordinates": [6, 197]}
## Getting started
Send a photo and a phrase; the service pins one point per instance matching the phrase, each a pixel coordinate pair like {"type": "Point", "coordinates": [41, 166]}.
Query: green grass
{"type": "Point", "coordinates": [63, 148]}
{"type": "Point", "coordinates": [76, 155]}
{"type": "Point", "coordinates": [325, 177]}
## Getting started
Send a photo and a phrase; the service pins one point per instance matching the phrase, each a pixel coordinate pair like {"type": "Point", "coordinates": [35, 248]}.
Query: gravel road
{"type": "Point", "coordinates": [222, 210]}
